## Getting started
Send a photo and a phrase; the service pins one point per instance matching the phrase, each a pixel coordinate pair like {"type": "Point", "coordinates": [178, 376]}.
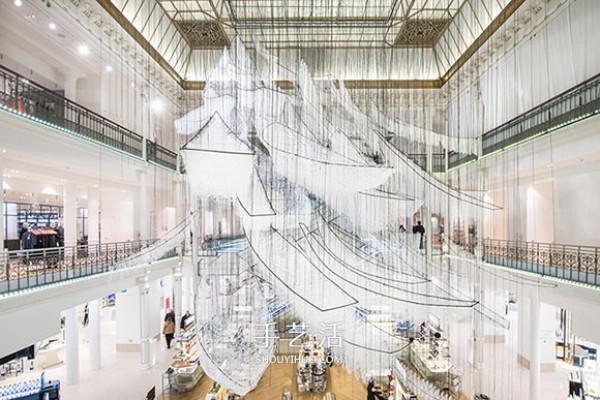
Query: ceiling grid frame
{"type": "Point", "coordinates": [174, 55]}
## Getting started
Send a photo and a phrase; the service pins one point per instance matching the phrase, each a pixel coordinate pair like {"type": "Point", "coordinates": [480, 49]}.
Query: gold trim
{"type": "Point", "coordinates": [139, 38]}
{"type": "Point", "coordinates": [504, 15]}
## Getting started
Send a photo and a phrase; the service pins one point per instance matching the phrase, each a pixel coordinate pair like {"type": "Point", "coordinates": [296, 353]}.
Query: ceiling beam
{"type": "Point", "coordinates": [504, 15]}
{"type": "Point", "coordinates": [115, 13]}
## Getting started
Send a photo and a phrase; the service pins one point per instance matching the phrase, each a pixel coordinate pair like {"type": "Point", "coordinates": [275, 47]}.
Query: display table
{"type": "Point", "coordinates": [311, 371]}
{"type": "Point", "coordinates": [186, 377]}
{"type": "Point", "coordinates": [186, 369]}
{"type": "Point", "coordinates": [434, 369]}
{"type": "Point", "coordinates": [48, 356]}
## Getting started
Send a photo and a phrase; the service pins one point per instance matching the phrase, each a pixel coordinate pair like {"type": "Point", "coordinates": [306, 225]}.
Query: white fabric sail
{"type": "Point", "coordinates": [421, 135]}
{"type": "Point", "coordinates": [316, 168]}
{"type": "Point", "coordinates": [218, 162]}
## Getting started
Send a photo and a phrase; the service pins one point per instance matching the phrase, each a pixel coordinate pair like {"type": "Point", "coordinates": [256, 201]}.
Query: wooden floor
{"type": "Point", "coordinates": [279, 376]}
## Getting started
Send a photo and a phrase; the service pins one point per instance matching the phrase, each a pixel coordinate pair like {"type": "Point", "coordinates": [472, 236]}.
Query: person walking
{"type": "Point", "coordinates": [169, 331]}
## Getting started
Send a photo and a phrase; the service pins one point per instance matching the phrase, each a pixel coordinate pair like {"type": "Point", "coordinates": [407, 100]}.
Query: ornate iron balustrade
{"type": "Point", "coordinates": [24, 269]}
{"type": "Point", "coordinates": [574, 263]}
{"type": "Point", "coordinates": [30, 100]}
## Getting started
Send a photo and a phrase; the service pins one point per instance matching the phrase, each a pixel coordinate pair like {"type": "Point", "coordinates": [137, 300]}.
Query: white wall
{"type": "Point", "coordinates": [128, 316]}
{"type": "Point", "coordinates": [128, 313]}
{"type": "Point", "coordinates": [117, 223]}
{"type": "Point", "coordinates": [577, 213]}
{"type": "Point", "coordinates": [540, 212]}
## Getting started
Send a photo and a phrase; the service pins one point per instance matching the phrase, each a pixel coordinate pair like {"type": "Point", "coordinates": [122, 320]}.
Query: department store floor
{"type": "Point", "coordinates": [121, 378]}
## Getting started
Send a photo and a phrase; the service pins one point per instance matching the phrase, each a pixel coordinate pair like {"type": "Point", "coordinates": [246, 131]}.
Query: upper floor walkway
{"type": "Point", "coordinates": [32, 101]}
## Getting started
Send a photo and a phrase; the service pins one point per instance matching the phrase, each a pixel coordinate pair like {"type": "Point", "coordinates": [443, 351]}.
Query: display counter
{"type": "Point", "coordinates": [185, 376]}
{"type": "Point", "coordinates": [48, 355]}
{"type": "Point", "coordinates": [437, 370]}
{"type": "Point", "coordinates": [186, 370]}
{"type": "Point", "coordinates": [311, 371]}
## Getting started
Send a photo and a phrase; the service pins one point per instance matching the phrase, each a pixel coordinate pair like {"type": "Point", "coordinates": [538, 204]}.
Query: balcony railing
{"type": "Point", "coordinates": [438, 161]}
{"type": "Point", "coordinates": [577, 103]}
{"type": "Point", "coordinates": [573, 263]}
{"type": "Point", "coordinates": [35, 102]}
{"type": "Point", "coordinates": [24, 269]}
{"type": "Point", "coordinates": [161, 156]}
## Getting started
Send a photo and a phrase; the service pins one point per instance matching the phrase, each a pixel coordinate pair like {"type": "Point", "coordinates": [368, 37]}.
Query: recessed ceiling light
{"type": "Point", "coordinates": [52, 25]}
{"type": "Point", "coordinates": [157, 105]}
{"type": "Point", "coordinates": [18, 3]}
{"type": "Point", "coordinates": [109, 68]}
{"type": "Point", "coordinates": [4, 150]}
{"type": "Point", "coordinates": [83, 50]}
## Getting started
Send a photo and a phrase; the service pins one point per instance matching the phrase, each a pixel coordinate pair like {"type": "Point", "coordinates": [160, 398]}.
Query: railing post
{"type": "Point", "coordinates": [7, 269]}
{"type": "Point", "coordinates": [596, 266]}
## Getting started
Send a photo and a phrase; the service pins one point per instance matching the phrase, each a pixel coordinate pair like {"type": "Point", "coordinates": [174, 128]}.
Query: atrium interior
{"type": "Point", "coordinates": [286, 199]}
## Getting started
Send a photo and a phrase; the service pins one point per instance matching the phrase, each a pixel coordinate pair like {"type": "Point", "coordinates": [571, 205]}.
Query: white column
{"type": "Point", "coordinates": [144, 290]}
{"type": "Point", "coordinates": [194, 240]}
{"type": "Point", "coordinates": [1, 205]}
{"type": "Point", "coordinates": [70, 214]}
{"type": "Point", "coordinates": [535, 359]}
{"type": "Point", "coordinates": [95, 347]}
{"type": "Point", "coordinates": [428, 206]}
{"type": "Point", "coordinates": [143, 206]}
{"type": "Point", "coordinates": [70, 84]}
{"type": "Point", "coordinates": [72, 345]}
{"type": "Point", "coordinates": [93, 228]}
{"type": "Point", "coordinates": [177, 291]}
{"type": "Point", "coordinates": [178, 200]}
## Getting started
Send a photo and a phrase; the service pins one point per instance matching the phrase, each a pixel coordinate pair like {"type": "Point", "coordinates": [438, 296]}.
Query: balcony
{"type": "Point", "coordinates": [34, 102]}
{"type": "Point", "coordinates": [568, 262]}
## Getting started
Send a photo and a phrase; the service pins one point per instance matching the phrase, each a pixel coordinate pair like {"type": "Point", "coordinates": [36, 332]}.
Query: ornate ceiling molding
{"type": "Point", "coordinates": [202, 35]}
{"type": "Point", "coordinates": [421, 32]}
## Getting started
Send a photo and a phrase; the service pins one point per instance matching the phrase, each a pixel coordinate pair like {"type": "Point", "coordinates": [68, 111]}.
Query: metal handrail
{"type": "Point", "coordinates": [571, 262]}
{"type": "Point", "coordinates": [161, 156]}
{"type": "Point", "coordinates": [24, 269]}
{"type": "Point", "coordinates": [31, 100]}
{"type": "Point", "coordinates": [575, 104]}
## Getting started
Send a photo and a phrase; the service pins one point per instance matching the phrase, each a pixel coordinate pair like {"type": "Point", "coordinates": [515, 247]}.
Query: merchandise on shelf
{"type": "Point", "coordinates": [311, 371]}
{"type": "Point", "coordinates": [185, 371]}
{"type": "Point", "coordinates": [33, 389]}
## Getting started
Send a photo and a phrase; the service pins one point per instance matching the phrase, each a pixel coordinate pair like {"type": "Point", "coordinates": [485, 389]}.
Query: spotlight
{"type": "Point", "coordinates": [18, 3]}
{"type": "Point", "coordinates": [84, 50]}
{"type": "Point", "coordinates": [52, 25]}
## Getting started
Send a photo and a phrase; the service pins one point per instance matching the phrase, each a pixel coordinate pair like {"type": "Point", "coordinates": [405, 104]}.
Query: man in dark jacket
{"type": "Point", "coordinates": [420, 229]}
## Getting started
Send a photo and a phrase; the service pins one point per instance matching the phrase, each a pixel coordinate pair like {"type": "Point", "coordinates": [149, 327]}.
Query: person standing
{"type": "Point", "coordinates": [169, 331]}
{"type": "Point", "coordinates": [182, 323]}
{"type": "Point", "coordinates": [60, 235]}
{"type": "Point", "coordinates": [86, 315]}
{"type": "Point", "coordinates": [420, 229]}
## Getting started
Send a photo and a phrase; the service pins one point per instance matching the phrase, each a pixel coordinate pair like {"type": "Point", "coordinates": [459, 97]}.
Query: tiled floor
{"type": "Point", "coordinates": [121, 378]}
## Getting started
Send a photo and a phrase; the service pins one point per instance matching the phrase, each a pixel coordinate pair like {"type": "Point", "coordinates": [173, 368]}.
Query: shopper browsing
{"type": "Point", "coordinates": [182, 322]}
{"type": "Point", "coordinates": [169, 331]}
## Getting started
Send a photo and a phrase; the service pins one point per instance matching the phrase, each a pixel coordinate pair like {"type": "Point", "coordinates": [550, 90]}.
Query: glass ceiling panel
{"type": "Point", "coordinates": [282, 9]}
{"type": "Point", "coordinates": [192, 16]}
{"type": "Point", "coordinates": [448, 27]}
